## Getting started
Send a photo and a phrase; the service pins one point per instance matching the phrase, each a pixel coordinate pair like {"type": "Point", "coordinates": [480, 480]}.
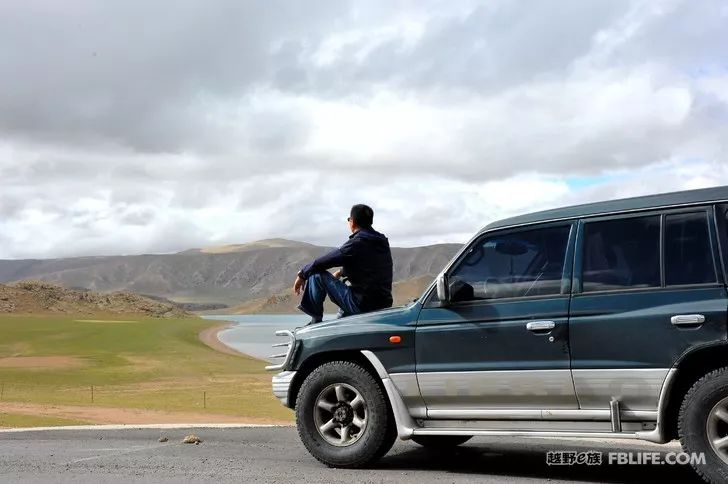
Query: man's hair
{"type": "Point", "coordinates": [362, 215]}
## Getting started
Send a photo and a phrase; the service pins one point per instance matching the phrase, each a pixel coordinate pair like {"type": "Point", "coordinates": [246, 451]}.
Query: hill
{"type": "Point", "coordinates": [227, 275]}
{"type": "Point", "coordinates": [38, 297]}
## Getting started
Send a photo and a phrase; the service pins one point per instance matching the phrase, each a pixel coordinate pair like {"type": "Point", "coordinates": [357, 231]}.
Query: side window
{"type": "Point", "coordinates": [622, 253]}
{"type": "Point", "coordinates": [688, 255]}
{"type": "Point", "coordinates": [521, 264]}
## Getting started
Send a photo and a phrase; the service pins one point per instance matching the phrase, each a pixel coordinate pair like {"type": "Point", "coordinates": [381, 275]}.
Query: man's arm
{"type": "Point", "coordinates": [335, 258]}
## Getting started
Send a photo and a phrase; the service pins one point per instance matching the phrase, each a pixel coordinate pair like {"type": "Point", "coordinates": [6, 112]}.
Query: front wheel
{"type": "Point", "coordinates": [703, 424]}
{"type": "Point", "coordinates": [441, 441]}
{"type": "Point", "coordinates": [343, 417]}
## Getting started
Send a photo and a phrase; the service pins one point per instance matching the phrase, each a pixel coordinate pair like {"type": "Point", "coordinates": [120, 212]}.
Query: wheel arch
{"type": "Point", "coordinates": [368, 360]}
{"type": "Point", "coordinates": [690, 368]}
{"type": "Point", "coordinates": [318, 359]}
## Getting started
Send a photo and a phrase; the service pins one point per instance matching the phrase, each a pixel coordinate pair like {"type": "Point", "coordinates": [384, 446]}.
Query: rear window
{"type": "Point", "coordinates": [622, 253]}
{"type": "Point", "coordinates": [688, 255]}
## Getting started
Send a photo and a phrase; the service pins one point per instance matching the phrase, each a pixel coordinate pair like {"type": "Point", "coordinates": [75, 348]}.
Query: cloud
{"type": "Point", "coordinates": [127, 127]}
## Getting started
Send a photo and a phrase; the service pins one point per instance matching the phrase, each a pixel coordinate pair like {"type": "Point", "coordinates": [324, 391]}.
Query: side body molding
{"type": "Point", "coordinates": [405, 424]}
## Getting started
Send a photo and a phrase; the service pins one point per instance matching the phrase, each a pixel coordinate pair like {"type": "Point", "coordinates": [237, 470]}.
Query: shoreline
{"type": "Point", "coordinates": [210, 337]}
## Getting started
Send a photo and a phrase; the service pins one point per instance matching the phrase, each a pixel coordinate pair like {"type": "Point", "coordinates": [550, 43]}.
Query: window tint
{"type": "Point", "coordinates": [623, 253]}
{"type": "Point", "coordinates": [529, 263]}
{"type": "Point", "coordinates": [688, 256]}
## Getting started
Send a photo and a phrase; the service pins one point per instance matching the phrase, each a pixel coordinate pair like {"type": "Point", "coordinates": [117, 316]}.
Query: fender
{"type": "Point", "coordinates": [692, 364]}
{"type": "Point", "coordinates": [405, 424]}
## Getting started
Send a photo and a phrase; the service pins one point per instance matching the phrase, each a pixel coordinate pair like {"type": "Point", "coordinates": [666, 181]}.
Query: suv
{"type": "Point", "coordinates": [604, 320]}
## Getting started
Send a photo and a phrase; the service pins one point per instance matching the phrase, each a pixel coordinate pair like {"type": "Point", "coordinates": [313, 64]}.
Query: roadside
{"type": "Point", "coordinates": [109, 415]}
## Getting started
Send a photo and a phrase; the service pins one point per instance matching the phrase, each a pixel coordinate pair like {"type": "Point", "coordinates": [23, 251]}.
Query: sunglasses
{"type": "Point", "coordinates": [348, 219]}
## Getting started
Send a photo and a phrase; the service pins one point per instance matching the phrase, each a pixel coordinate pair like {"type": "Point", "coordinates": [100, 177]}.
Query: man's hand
{"type": "Point", "coordinates": [298, 285]}
{"type": "Point", "coordinates": [339, 273]}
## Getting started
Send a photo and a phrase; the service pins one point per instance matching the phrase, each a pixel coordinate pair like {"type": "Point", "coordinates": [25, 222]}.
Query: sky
{"type": "Point", "coordinates": [148, 127]}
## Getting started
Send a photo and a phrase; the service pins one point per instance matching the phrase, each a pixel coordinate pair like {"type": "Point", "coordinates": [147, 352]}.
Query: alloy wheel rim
{"type": "Point", "coordinates": [717, 429]}
{"type": "Point", "coordinates": [340, 414]}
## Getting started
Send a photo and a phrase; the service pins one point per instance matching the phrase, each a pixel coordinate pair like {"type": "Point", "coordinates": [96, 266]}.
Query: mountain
{"type": "Point", "coordinates": [230, 275]}
{"type": "Point", "coordinates": [260, 244]}
{"type": "Point", "coordinates": [37, 297]}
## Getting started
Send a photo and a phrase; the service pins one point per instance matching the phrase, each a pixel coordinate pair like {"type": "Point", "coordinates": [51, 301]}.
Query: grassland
{"type": "Point", "coordinates": [59, 368]}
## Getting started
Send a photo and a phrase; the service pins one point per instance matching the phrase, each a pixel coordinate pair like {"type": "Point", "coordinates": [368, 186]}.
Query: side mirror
{"type": "Point", "coordinates": [443, 290]}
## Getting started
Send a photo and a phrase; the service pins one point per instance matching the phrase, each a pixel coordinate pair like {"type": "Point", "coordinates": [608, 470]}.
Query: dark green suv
{"type": "Point", "coordinates": [600, 320]}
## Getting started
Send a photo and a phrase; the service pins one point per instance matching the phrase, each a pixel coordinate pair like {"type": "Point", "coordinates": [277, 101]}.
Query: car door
{"type": "Point", "coordinates": [646, 289]}
{"type": "Point", "coordinates": [502, 342]}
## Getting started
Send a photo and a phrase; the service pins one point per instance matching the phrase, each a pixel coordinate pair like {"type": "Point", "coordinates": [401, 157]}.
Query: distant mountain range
{"type": "Point", "coordinates": [252, 277]}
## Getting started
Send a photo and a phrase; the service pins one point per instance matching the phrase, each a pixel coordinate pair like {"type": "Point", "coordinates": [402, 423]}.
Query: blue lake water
{"type": "Point", "coordinates": [253, 334]}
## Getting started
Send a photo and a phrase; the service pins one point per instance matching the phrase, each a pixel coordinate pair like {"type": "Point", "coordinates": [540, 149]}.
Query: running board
{"type": "Point", "coordinates": [525, 433]}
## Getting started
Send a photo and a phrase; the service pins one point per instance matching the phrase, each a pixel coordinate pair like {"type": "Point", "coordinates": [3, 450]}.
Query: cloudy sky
{"type": "Point", "coordinates": [135, 126]}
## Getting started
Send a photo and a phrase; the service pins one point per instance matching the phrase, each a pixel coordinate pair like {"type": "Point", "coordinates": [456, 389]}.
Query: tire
{"type": "Point", "coordinates": [441, 441]}
{"type": "Point", "coordinates": [324, 402]}
{"type": "Point", "coordinates": [698, 425]}
{"type": "Point", "coordinates": [389, 439]}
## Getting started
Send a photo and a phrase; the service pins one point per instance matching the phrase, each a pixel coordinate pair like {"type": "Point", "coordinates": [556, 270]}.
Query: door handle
{"type": "Point", "coordinates": [687, 319]}
{"type": "Point", "coordinates": [540, 325]}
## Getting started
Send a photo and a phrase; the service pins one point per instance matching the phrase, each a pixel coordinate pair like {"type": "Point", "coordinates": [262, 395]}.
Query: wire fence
{"type": "Point", "coordinates": [232, 399]}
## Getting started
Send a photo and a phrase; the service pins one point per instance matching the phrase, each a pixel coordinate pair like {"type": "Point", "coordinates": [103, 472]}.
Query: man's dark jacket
{"type": "Point", "coordinates": [367, 263]}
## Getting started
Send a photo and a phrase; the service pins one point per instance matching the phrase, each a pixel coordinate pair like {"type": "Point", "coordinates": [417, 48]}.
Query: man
{"type": "Point", "coordinates": [365, 260]}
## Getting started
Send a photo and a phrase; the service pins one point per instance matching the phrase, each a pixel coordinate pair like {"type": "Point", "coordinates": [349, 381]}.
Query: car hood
{"type": "Point", "coordinates": [398, 315]}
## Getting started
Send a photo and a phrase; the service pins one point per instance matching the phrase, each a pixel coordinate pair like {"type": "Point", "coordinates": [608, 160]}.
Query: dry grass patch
{"type": "Point", "coordinates": [42, 362]}
{"type": "Point", "coordinates": [75, 414]}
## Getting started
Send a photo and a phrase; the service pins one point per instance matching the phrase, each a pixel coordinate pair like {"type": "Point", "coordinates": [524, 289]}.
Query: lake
{"type": "Point", "coordinates": [253, 334]}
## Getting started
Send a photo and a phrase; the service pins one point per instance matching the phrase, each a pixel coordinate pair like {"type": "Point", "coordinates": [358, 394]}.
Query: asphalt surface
{"type": "Point", "coordinates": [276, 455]}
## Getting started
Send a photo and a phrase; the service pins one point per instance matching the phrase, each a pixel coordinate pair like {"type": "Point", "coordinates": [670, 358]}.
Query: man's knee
{"type": "Point", "coordinates": [315, 278]}
{"type": "Point", "coordinates": [320, 277]}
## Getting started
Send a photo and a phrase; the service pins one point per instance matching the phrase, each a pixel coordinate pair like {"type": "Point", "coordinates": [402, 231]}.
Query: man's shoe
{"type": "Point", "coordinates": [314, 321]}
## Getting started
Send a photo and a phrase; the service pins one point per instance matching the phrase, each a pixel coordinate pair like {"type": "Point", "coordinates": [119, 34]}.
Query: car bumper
{"type": "Point", "coordinates": [281, 386]}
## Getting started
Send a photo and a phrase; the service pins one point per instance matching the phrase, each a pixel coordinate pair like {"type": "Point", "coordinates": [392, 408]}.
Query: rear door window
{"type": "Point", "coordinates": [621, 254]}
{"type": "Point", "coordinates": [688, 254]}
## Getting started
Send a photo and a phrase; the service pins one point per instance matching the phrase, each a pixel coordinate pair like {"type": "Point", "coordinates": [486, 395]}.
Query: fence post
{"type": "Point", "coordinates": [2, 390]}
{"type": "Point", "coordinates": [204, 399]}
{"type": "Point", "coordinates": [92, 394]}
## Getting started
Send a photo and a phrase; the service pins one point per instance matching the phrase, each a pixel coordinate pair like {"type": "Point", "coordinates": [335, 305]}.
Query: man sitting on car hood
{"type": "Point", "coordinates": [365, 261]}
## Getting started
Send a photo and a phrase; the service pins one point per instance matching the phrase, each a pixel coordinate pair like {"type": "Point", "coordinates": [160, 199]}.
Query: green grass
{"type": "Point", "coordinates": [15, 420]}
{"type": "Point", "coordinates": [155, 364]}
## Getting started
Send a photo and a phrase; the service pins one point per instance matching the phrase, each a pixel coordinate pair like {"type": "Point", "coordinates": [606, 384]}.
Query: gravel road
{"type": "Point", "coordinates": [276, 455]}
